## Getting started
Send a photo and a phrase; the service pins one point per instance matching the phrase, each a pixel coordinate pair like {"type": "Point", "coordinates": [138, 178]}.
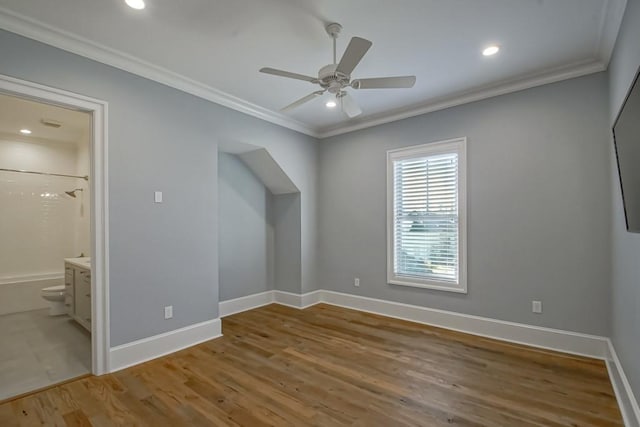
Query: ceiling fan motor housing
{"type": "Point", "coordinates": [331, 80]}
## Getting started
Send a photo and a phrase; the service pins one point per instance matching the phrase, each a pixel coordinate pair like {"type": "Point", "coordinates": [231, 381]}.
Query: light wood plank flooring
{"type": "Point", "coordinates": [330, 366]}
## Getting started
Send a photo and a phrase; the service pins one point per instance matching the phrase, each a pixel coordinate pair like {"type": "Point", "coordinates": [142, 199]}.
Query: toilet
{"type": "Point", "coordinates": [55, 296]}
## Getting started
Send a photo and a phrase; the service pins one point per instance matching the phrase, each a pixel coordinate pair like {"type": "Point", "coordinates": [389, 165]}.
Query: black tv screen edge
{"type": "Point", "coordinates": [626, 137]}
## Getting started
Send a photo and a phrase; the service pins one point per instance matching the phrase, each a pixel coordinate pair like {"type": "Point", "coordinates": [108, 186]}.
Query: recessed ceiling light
{"type": "Point", "coordinates": [25, 131]}
{"type": "Point", "coordinates": [491, 50]}
{"type": "Point", "coordinates": [331, 103]}
{"type": "Point", "coordinates": [135, 4]}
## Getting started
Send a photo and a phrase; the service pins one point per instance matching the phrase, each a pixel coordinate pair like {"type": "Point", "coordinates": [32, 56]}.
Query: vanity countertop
{"type": "Point", "coordinates": [83, 262]}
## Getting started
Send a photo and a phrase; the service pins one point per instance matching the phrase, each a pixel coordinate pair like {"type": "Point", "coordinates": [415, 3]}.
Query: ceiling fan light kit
{"type": "Point", "coordinates": [336, 78]}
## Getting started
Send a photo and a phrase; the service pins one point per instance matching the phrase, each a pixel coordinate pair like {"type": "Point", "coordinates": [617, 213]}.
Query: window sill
{"type": "Point", "coordinates": [438, 286]}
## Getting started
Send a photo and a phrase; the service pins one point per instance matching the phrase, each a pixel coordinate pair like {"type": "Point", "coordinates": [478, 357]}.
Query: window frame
{"type": "Point", "coordinates": [455, 145]}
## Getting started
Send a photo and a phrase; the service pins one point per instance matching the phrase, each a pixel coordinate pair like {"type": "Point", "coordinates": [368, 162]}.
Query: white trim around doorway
{"type": "Point", "coordinates": [99, 203]}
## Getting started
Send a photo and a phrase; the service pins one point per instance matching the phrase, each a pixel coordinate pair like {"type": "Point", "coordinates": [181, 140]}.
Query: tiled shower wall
{"type": "Point", "coordinates": [39, 224]}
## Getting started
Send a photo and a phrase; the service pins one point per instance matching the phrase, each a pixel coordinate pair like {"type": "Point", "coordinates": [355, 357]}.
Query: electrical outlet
{"type": "Point", "coordinates": [168, 312]}
{"type": "Point", "coordinates": [536, 306]}
{"type": "Point", "coordinates": [356, 282]}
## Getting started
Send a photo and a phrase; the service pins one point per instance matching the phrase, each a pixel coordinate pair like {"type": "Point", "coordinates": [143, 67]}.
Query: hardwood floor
{"type": "Point", "coordinates": [331, 366]}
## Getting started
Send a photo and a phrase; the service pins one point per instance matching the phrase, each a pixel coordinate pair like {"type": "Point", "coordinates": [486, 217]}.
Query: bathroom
{"type": "Point", "coordinates": [45, 244]}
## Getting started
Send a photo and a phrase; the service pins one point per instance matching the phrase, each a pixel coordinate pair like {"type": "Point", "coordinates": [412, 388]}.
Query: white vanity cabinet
{"type": "Point", "coordinates": [78, 292]}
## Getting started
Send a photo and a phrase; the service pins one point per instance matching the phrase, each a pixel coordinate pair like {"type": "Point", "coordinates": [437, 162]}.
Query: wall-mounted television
{"type": "Point", "coordinates": [626, 137]}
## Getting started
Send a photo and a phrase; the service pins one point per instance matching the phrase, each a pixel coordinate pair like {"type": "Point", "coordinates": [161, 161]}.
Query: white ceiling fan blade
{"type": "Point", "coordinates": [349, 106]}
{"type": "Point", "coordinates": [398, 82]}
{"type": "Point", "coordinates": [303, 100]}
{"type": "Point", "coordinates": [353, 55]}
{"type": "Point", "coordinates": [282, 73]}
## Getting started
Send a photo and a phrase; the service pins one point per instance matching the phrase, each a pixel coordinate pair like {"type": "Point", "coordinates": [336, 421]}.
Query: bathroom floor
{"type": "Point", "coordinates": [37, 350]}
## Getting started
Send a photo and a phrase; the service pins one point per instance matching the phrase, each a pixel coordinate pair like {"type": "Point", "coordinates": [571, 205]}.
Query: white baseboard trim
{"type": "Point", "coordinates": [622, 388]}
{"type": "Point", "coordinates": [519, 333]}
{"type": "Point", "coordinates": [133, 353]}
{"type": "Point", "coordinates": [297, 300]}
{"type": "Point", "coordinates": [249, 302]}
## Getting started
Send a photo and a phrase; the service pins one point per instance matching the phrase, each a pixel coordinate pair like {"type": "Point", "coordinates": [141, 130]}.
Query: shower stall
{"type": "Point", "coordinates": [43, 220]}
{"type": "Point", "coordinates": [44, 216]}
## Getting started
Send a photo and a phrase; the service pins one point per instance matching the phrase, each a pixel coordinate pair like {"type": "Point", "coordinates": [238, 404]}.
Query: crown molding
{"type": "Point", "coordinates": [538, 79]}
{"type": "Point", "coordinates": [609, 26]}
{"type": "Point", "coordinates": [37, 30]}
{"type": "Point", "coordinates": [611, 18]}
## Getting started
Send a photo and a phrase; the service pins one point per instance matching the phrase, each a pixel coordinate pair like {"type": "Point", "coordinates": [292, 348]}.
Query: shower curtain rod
{"type": "Point", "coordinates": [86, 177]}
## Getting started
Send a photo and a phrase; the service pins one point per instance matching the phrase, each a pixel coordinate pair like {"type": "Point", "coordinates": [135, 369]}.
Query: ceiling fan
{"type": "Point", "coordinates": [336, 78]}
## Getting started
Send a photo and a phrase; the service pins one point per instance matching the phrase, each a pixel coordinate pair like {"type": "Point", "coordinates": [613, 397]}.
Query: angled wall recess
{"type": "Point", "coordinates": [268, 171]}
{"type": "Point", "coordinates": [257, 231]}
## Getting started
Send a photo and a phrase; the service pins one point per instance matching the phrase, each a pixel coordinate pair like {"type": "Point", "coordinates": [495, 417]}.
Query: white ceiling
{"type": "Point", "coordinates": [18, 113]}
{"type": "Point", "coordinates": [214, 48]}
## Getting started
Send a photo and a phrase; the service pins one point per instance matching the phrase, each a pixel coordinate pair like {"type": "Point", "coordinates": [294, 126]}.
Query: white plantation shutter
{"type": "Point", "coordinates": [425, 223]}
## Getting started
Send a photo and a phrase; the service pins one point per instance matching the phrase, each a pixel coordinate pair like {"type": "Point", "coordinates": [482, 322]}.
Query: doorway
{"type": "Point", "coordinates": [53, 237]}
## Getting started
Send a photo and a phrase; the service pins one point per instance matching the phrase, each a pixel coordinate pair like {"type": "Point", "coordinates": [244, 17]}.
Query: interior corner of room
{"type": "Point", "coordinates": [462, 256]}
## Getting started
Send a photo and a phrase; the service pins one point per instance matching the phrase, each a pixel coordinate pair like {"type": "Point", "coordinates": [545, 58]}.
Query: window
{"type": "Point", "coordinates": [426, 220]}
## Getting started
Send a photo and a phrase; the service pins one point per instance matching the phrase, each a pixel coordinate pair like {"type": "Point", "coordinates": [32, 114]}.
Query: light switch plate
{"type": "Point", "coordinates": [168, 312]}
{"type": "Point", "coordinates": [157, 196]}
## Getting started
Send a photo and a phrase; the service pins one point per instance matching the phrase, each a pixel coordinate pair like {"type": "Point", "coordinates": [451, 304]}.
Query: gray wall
{"type": "Point", "coordinates": [538, 197]}
{"type": "Point", "coordinates": [164, 139]}
{"type": "Point", "coordinates": [625, 246]}
{"type": "Point", "coordinates": [288, 256]}
{"type": "Point", "coordinates": [246, 231]}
